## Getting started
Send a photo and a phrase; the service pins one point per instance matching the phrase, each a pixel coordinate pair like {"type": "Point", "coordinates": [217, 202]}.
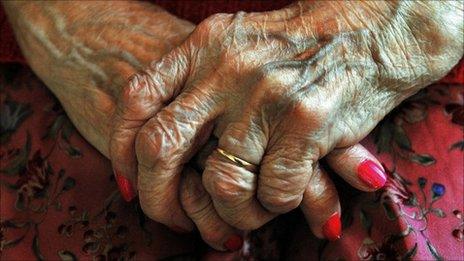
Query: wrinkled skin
{"type": "Point", "coordinates": [280, 90]}
{"type": "Point", "coordinates": [88, 80]}
{"type": "Point", "coordinates": [76, 87]}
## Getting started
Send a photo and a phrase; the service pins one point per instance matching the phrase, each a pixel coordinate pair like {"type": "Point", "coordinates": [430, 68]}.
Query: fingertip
{"type": "Point", "coordinates": [234, 243]}
{"type": "Point", "coordinates": [358, 167]}
{"type": "Point", "coordinates": [332, 228]}
{"type": "Point", "coordinates": [371, 174]}
{"type": "Point", "coordinates": [321, 206]}
{"type": "Point", "coordinates": [198, 206]}
{"type": "Point", "coordinates": [125, 187]}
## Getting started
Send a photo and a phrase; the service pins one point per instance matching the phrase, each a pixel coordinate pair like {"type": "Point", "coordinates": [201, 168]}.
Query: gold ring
{"type": "Point", "coordinates": [243, 163]}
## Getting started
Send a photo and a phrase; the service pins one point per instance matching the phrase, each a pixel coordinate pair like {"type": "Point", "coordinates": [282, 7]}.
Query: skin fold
{"type": "Point", "coordinates": [77, 51]}
{"type": "Point", "coordinates": [279, 89]}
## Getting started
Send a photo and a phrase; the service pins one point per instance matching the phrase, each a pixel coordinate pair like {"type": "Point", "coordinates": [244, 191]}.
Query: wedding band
{"type": "Point", "coordinates": [243, 163]}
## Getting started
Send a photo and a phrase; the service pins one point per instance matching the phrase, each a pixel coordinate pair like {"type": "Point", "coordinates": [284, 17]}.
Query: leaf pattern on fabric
{"type": "Point", "coordinates": [45, 195]}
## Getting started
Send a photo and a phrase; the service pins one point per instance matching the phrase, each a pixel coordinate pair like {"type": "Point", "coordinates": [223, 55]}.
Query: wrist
{"type": "Point", "coordinates": [422, 37]}
{"type": "Point", "coordinates": [85, 57]}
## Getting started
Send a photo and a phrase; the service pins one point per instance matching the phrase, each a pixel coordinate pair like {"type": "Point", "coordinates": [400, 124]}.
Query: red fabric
{"type": "Point", "coordinates": [9, 49]}
{"type": "Point", "coordinates": [58, 197]}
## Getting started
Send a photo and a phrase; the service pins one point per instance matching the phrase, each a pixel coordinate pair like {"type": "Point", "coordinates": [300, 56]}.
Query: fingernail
{"type": "Point", "coordinates": [234, 243]}
{"type": "Point", "coordinates": [125, 187]}
{"type": "Point", "coordinates": [332, 228]}
{"type": "Point", "coordinates": [178, 229]}
{"type": "Point", "coordinates": [372, 174]}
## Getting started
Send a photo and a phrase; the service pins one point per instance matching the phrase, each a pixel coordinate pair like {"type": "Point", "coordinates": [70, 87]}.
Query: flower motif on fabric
{"type": "Point", "coordinates": [105, 234]}
{"type": "Point", "coordinates": [60, 131]}
{"type": "Point", "coordinates": [104, 238]}
{"type": "Point", "coordinates": [13, 114]}
{"type": "Point", "coordinates": [38, 189]}
{"type": "Point", "coordinates": [390, 135]}
{"type": "Point", "coordinates": [27, 175]}
{"type": "Point", "coordinates": [410, 209]}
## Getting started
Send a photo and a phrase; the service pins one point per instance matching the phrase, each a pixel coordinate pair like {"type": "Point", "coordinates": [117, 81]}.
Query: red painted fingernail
{"type": "Point", "coordinates": [178, 229]}
{"type": "Point", "coordinates": [234, 243]}
{"type": "Point", "coordinates": [372, 174]}
{"type": "Point", "coordinates": [332, 228]}
{"type": "Point", "coordinates": [125, 187]}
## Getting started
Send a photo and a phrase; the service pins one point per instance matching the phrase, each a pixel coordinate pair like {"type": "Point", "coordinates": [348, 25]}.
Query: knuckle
{"type": "Point", "coordinates": [283, 91]}
{"type": "Point", "coordinates": [189, 108]}
{"type": "Point", "coordinates": [137, 87]}
{"type": "Point", "coordinates": [169, 136]}
{"type": "Point", "coordinates": [319, 193]}
{"type": "Point", "coordinates": [133, 88]}
{"type": "Point", "coordinates": [243, 137]}
{"type": "Point", "coordinates": [223, 187]}
{"type": "Point", "coordinates": [159, 140]}
{"type": "Point", "coordinates": [279, 203]}
{"type": "Point", "coordinates": [165, 72]}
{"type": "Point", "coordinates": [282, 182]}
{"type": "Point", "coordinates": [197, 208]}
{"type": "Point", "coordinates": [321, 199]}
{"type": "Point", "coordinates": [235, 132]}
{"type": "Point", "coordinates": [212, 24]}
{"type": "Point", "coordinates": [244, 140]}
{"type": "Point", "coordinates": [231, 192]}
{"type": "Point", "coordinates": [194, 199]}
{"type": "Point", "coordinates": [305, 111]}
{"type": "Point", "coordinates": [287, 173]}
{"type": "Point", "coordinates": [215, 19]}
{"type": "Point", "coordinates": [123, 134]}
{"type": "Point", "coordinates": [290, 158]}
{"type": "Point", "coordinates": [147, 148]}
{"type": "Point", "coordinates": [139, 98]}
{"type": "Point", "coordinates": [225, 191]}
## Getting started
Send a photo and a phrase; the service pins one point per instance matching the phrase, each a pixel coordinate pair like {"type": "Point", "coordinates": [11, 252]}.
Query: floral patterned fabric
{"type": "Point", "coordinates": [59, 200]}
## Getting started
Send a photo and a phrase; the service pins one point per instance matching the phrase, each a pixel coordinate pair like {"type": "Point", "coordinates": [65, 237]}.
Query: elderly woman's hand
{"type": "Point", "coordinates": [134, 110]}
{"type": "Point", "coordinates": [281, 90]}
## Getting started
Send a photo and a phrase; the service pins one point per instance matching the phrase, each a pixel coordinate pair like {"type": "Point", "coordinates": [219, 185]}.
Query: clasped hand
{"type": "Point", "coordinates": [280, 90]}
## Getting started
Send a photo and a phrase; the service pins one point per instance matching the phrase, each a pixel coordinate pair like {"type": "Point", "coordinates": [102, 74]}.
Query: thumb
{"type": "Point", "coordinates": [145, 94]}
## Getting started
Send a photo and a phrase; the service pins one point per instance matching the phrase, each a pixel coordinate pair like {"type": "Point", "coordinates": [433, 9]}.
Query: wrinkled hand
{"type": "Point", "coordinates": [196, 202]}
{"type": "Point", "coordinates": [280, 90]}
{"type": "Point", "coordinates": [320, 199]}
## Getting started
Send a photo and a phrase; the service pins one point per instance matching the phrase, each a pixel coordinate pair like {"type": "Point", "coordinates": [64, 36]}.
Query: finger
{"type": "Point", "coordinates": [285, 171]}
{"type": "Point", "coordinates": [321, 206]}
{"type": "Point", "coordinates": [232, 186]}
{"type": "Point", "coordinates": [358, 167]}
{"type": "Point", "coordinates": [163, 145]}
{"type": "Point", "coordinates": [145, 94]}
{"type": "Point", "coordinates": [199, 207]}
